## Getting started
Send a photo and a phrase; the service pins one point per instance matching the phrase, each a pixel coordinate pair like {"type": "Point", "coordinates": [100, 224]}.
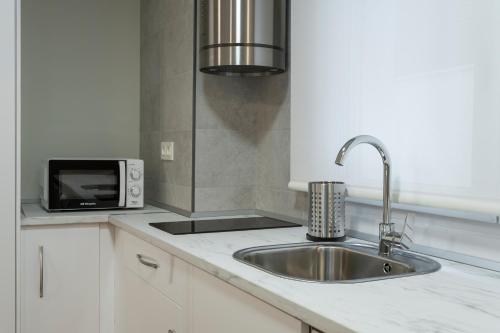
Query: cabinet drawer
{"type": "Point", "coordinates": [158, 268]}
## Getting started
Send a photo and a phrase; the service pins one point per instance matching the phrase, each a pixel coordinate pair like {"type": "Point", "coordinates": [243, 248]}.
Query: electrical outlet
{"type": "Point", "coordinates": [167, 151]}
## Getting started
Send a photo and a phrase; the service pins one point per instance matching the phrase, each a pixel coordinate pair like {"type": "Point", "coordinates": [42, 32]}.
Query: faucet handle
{"type": "Point", "coordinates": [406, 239]}
{"type": "Point", "coordinates": [391, 238]}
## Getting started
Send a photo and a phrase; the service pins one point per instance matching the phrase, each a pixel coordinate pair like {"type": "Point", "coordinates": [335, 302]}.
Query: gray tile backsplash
{"type": "Point", "coordinates": [243, 145]}
{"type": "Point", "coordinates": [179, 173]}
{"type": "Point", "coordinates": [224, 158]}
{"type": "Point", "coordinates": [167, 99]}
{"type": "Point", "coordinates": [282, 202]}
{"type": "Point", "coordinates": [177, 36]}
{"type": "Point", "coordinates": [227, 103]}
{"type": "Point", "coordinates": [273, 159]}
{"type": "Point", "coordinates": [242, 127]}
{"type": "Point", "coordinates": [273, 152]}
{"type": "Point", "coordinates": [229, 198]}
{"type": "Point", "coordinates": [176, 102]}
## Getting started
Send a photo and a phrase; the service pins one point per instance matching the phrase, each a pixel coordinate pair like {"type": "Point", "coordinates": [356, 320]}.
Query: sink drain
{"type": "Point", "coordinates": [387, 268]}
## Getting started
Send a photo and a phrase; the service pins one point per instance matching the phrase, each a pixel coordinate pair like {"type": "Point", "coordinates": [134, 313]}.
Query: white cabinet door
{"type": "Point", "coordinates": [222, 308]}
{"type": "Point", "coordinates": [60, 286]}
{"type": "Point", "coordinates": [143, 308]}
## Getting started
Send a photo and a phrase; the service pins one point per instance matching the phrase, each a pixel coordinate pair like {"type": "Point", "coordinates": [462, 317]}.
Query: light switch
{"type": "Point", "coordinates": [167, 151]}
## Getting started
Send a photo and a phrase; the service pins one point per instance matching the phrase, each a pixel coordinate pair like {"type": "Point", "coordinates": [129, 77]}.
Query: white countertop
{"type": "Point", "coordinates": [34, 214]}
{"type": "Point", "coordinates": [458, 298]}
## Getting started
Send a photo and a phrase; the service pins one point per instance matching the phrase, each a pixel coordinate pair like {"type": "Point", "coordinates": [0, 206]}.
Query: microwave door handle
{"type": "Point", "coordinates": [122, 176]}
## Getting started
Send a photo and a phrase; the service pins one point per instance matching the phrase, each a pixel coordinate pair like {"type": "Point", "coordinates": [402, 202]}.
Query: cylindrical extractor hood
{"type": "Point", "coordinates": [243, 37]}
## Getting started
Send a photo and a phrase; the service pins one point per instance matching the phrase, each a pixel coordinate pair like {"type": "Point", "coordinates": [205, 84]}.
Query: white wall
{"type": "Point", "coordinates": [80, 82]}
{"type": "Point", "coordinates": [8, 165]}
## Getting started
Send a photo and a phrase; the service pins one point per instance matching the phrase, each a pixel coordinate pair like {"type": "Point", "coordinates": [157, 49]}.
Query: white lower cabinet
{"type": "Point", "coordinates": [67, 286]}
{"type": "Point", "coordinates": [158, 292]}
{"type": "Point", "coordinates": [143, 309]}
{"type": "Point", "coordinates": [151, 288]}
{"type": "Point", "coordinates": [60, 279]}
{"type": "Point", "coordinates": [219, 307]}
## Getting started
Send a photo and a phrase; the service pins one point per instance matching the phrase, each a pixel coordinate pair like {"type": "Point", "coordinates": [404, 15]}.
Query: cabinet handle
{"type": "Point", "coordinates": [147, 263]}
{"type": "Point", "coordinates": [171, 331]}
{"type": "Point", "coordinates": [40, 259]}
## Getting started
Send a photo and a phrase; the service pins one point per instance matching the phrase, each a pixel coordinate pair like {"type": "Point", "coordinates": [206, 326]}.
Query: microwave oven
{"type": "Point", "coordinates": [86, 184]}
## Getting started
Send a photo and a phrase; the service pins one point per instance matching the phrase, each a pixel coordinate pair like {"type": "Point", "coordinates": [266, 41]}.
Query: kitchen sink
{"type": "Point", "coordinates": [335, 262]}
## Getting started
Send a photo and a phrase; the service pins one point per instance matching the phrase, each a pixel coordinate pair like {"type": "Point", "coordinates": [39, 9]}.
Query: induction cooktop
{"type": "Point", "coordinates": [222, 225]}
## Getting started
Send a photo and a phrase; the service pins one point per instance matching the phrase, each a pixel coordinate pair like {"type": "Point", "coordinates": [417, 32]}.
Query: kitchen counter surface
{"type": "Point", "coordinates": [34, 214]}
{"type": "Point", "coordinates": [458, 298]}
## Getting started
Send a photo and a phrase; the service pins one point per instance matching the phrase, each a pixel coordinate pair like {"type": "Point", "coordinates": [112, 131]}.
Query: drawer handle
{"type": "Point", "coordinates": [171, 331]}
{"type": "Point", "coordinates": [146, 262]}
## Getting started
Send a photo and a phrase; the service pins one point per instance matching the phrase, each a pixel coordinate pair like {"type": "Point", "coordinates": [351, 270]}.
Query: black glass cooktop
{"type": "Point", "coordinates": [221, 225]}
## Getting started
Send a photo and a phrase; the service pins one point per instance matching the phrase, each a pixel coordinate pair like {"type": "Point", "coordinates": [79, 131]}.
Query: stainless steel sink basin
{"type": "Point", "coordinates": [335, 262]}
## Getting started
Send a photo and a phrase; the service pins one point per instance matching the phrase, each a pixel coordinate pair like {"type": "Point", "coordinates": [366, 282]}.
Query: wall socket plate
{"type": "Point", "coordinates": [167, 151]}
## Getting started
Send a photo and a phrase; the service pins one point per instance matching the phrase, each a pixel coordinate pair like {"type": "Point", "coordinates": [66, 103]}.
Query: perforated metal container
{"type": "Point", "coordinates": [326, 211]}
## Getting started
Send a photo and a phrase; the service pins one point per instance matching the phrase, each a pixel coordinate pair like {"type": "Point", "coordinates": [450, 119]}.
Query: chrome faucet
{"type": "Point", "coordinates": [387, 236]}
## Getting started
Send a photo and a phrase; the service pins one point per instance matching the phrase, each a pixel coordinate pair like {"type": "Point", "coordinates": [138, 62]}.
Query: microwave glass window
{"type": "Point", "coordinates": [101, 185]}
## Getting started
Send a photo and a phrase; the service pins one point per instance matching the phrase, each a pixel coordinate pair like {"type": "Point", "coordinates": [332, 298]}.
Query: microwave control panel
{"type": "Point", "coordinates": [135, 184]}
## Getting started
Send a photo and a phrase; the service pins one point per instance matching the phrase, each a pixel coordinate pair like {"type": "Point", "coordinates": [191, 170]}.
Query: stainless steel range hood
{"type": "Point", "coordinates": [243, 37]}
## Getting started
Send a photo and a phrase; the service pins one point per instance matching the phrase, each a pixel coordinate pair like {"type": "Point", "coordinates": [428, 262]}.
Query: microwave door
{"type": "Point", "coordinates": [85, 184]}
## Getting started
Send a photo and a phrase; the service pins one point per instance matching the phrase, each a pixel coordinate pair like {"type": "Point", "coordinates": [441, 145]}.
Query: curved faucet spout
{"type": "Point", "coordinates": [386, 159]}
{"type": "Point", "coordinates": [371, 140]}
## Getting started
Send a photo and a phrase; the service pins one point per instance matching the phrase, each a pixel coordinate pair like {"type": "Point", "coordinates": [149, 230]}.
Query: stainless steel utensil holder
{"type": "Point", "coordinates": [326, 220]}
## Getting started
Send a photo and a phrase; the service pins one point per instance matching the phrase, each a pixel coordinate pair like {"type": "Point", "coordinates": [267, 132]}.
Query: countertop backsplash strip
{"type": "Point", "coordinates": [460, 239]}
